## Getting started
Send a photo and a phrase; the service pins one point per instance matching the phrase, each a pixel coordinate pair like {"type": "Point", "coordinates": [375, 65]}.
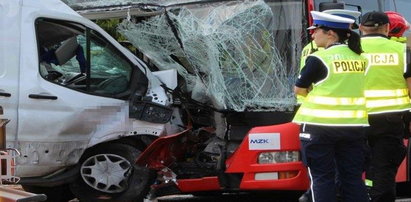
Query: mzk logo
{"type": "Point", "coordinates": [264, 141]}
{"type": "Point", "coordinates": [259, 141]}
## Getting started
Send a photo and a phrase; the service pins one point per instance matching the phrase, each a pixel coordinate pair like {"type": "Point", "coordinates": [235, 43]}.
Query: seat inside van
{"type": "Point", "coordinates": [67, 50]}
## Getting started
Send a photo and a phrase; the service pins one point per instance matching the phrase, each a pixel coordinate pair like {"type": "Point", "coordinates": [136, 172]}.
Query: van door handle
{"type": "Point", "coordinates": [5, 94]}
{"type": "Point", "coordinates": [46, 97]}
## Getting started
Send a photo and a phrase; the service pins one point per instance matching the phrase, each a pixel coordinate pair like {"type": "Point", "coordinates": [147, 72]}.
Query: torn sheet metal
{"type": "Point", "coordinates": [240, 56]}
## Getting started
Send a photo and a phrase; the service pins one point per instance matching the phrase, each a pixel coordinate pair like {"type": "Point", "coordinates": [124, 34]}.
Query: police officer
{"type": "Point", "coordinates": [311, 47]}
{"type": "Point", "coordinates": [387, 98]}
{"type": "Point", "coordinates": [335, 8]}
{"type": "Point", "coordinates": [308, 49]}
{"type": "Point", "coordinates": [333, 115]}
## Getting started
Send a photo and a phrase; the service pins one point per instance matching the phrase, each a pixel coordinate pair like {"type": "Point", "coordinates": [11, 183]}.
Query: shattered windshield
{"type": "Point", "coordinates": [240, 56]}
{"type": "Point", "coordinates": [76, 4]}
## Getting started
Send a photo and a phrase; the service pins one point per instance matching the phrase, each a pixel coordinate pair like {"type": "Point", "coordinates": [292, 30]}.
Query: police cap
{"type": "Point", "coordinates": [331, 21]}
{"type": "Point", "coordinates": [345, 13]}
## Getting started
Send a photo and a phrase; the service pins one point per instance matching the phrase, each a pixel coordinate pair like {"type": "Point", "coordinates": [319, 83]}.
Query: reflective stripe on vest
{"type": "Point", "coordinates": [334, 113]}
{"type": "Point", "coordinates": [336, 101]}
{"type": "Point", "coordinates": [387, 102]}
{"type": "Point", "coordinates": [386, 93]}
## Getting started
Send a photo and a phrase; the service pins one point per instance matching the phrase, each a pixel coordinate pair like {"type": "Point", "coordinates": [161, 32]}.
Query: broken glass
{"type": "Point", "coordinates": [84, 4]}
{"type": "Point", "coordinates": [240, 56]}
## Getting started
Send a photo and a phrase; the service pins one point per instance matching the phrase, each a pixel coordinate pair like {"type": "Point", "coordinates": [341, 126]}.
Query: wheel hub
{"type": "Point", "coordinates": [106, 172]}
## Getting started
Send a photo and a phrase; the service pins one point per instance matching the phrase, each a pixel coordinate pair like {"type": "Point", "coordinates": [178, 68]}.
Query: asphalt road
{"type": "Point", "coordinates": [403, 193]}
{"type": "Point", "coordinates": [234, 197]}
{"type": "Point", "coordinates": [242, 197]}
{"type": "Point", "coordinates": [279, 196]}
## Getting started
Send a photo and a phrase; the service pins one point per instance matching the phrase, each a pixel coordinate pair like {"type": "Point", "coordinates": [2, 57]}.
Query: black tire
{"type": "Point", "coordinates": [133, 187]}
{"type": "Point", "coordinates": [54, 194]}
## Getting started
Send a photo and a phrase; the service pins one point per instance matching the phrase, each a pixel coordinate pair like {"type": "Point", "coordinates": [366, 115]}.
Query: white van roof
{"type": "Point", "coordinates": [52, 5]}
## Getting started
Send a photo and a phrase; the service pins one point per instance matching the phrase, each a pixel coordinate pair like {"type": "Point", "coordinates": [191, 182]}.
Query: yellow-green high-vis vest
{"type": "Point", "coordinates": [385, 87]}
{"type": "Point", "coordinates": [399, 39]}
{"type": "Point", "coordinates": [337, 100]}
{"type": "Point", "coordinates": [307, 50]}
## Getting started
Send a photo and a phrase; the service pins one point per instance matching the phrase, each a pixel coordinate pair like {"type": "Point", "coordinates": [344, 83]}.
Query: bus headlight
{"type": "Point", "coordinates": [278, 157]}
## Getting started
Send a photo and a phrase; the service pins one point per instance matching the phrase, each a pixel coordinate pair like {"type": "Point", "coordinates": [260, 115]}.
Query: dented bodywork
{"type": "Point", "coordinates": [214, 71]}
{"type": "Point", "coordinates": [52, 121]}
{"type": "Point", "coordinates": [205, 106]}
{"type": "Point", "coordinates": [232, 55]}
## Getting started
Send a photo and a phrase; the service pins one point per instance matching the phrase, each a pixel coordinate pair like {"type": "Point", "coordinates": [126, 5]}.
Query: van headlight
{"type": "Point", "coordinates": [278, 157]}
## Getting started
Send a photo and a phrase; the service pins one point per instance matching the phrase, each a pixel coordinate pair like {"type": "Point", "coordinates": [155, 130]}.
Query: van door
{"type": "Point", "coordinates": [9, 63]}
{"type": "Point", "coordinates": [63, 104]}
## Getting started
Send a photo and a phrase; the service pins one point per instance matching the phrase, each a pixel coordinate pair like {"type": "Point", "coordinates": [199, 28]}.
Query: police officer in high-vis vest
{"type": "Point", "coordinates": [333, 116]}
{"type": "Point", "coordinates": [311, 47]}
{"type": "Point", "coordinates": [388, 99]}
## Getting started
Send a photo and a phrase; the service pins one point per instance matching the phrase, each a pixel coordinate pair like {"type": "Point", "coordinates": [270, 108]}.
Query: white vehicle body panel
{"type": "Point", "coordinates": [53, 134]}
{"type": "Point", "coordinates": [10, 57]}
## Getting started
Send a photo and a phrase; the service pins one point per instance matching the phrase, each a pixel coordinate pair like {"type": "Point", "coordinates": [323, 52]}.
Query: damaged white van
{"type": "Point", "coordinates": [83, 108]}
{"type": "Point", "coordinates": [66, 86]}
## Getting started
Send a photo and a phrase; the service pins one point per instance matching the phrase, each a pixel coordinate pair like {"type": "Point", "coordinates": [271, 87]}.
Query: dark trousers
{"type": "Point", "coordinates": [385, 138]}
{"type": "Point", "coordinates": [327, 150]}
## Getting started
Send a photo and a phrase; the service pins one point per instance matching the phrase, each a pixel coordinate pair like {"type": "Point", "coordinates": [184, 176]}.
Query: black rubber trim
{"type": "Point", "coordinates": [5, 94]}
{"type": "Point", "coordinates": [46, 97]}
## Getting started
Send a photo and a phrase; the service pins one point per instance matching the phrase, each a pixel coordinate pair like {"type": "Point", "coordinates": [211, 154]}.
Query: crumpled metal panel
{"type": "Point", "coordinates": [42, 158]}
{"type": "Point", "coordinates": [228, 53]}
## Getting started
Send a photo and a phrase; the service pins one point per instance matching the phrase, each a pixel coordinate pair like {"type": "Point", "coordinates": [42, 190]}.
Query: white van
{"type": "Point", "coordinates": [66, 86]}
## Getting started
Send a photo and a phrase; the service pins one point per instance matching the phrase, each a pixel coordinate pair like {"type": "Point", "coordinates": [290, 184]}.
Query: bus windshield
{"type": "Point", "coordinates": [239, 56]}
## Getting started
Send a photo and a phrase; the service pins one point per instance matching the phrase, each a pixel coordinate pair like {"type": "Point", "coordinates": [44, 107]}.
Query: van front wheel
{"type": "Point", "coordinates": [109, 173]}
